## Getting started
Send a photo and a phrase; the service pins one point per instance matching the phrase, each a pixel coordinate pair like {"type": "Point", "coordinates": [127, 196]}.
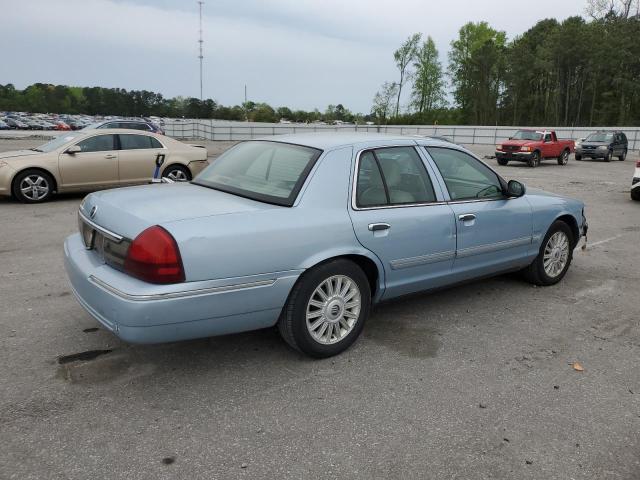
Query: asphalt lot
{"type": "Point", "coordinates": [473, 382]}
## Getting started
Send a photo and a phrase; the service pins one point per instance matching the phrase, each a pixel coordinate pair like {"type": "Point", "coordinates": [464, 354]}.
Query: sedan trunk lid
{"type": "Point", "coordinates": [128, 211]}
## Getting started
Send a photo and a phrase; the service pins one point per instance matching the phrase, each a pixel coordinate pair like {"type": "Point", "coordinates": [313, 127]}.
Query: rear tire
{"type": "Point", "coordinates": [327, 309]}
{"type": "Point", "coordinates": [607, 157]}
{"type": "Point", "coordinates": [554, 257]}
{"type": "Point", "coordinates": [534, 160]}
{"type": "Point", "coordinates": [563, 159]}
{"type": "Point", "coordinates": [33, 186]}
{"type": "Point", "coordinates": [502, 161]}
{"type": "Point", "coordinates": [177, 173]}
{"type": "Point", "coordinates": [623, 157]}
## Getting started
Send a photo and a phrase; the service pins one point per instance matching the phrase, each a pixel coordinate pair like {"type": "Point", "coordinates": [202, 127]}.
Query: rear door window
{"type": "Point", "coordinates": [135, 142]}
{"type": "Point", "coordinates": [392, 176]}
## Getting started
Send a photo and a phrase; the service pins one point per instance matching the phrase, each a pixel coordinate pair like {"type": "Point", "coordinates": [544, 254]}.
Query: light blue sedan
{"type": "Point", "coordinates": [307, 232]}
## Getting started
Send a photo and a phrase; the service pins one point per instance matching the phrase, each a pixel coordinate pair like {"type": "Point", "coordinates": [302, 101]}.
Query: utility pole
{"type": "Point", "coordinates": [200, 41]}
{"type": "Point", "coordinates": [245, 93]}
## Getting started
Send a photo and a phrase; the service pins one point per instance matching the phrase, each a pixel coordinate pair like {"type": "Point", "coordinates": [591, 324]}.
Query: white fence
{"type": "Point", "coordinates": [472, 135]}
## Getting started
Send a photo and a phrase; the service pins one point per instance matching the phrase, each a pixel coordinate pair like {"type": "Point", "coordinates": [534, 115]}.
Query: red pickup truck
{"type": "Point", "coordinates": [533, 146]}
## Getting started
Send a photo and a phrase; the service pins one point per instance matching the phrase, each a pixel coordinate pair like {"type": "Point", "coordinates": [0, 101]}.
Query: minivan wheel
{"type": "Point", "coordinates": [554, 257]}
{"type": "Point", "coordinates": [177, 173]}
{"type": "Point", "coordinates": [607, 157]}
{"type": "Point", "coordinates": [326, 310]}
{"type": "Point", "coordinates": [623, 157]}
{"type": "Point", "coordinates": [33, 186]}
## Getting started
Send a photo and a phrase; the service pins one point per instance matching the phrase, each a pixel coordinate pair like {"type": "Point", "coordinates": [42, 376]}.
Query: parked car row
{"type": "Point", "coordinates": [28, 121]}
{"type": "Point", "coordinates": [534, 146]}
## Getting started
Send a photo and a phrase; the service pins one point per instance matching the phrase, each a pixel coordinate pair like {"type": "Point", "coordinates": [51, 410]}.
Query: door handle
{"type": "Point", "coordinates": [376, 227]}
{"type": "Point", "coordinates": [466, 217]}
{"type": "Point", "coordinates": [110, 155]}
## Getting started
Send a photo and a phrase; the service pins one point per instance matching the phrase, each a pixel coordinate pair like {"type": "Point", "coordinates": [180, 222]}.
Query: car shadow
{"type": "Point", "coordinates": [414, 326]}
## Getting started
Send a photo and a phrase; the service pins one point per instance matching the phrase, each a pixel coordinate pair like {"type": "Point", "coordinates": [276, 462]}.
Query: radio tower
{"type": "Point", "coordinates": [200, 41]}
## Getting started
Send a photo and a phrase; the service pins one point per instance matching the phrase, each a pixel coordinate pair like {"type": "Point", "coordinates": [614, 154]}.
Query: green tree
{"type": "Point", "coordinates": [382, 101]}
{"type": "Point", "coordinates": [403, 58]}
{"type": "Point", "coordinates": [476, 68]}
{"type": "Point", "coordinates": [428, 82]}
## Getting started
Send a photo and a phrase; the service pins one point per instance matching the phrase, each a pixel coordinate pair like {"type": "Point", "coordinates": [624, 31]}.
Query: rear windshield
{"type": "Point", "coordinates": [527, 135]}
{"type": "Point", "coordinates": [266, 171]}
{"type": "Point", "coordinates": [600, 137]}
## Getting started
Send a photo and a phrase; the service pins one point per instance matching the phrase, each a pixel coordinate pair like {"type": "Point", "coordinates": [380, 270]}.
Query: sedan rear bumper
{"type": "Point", "coordinates": [138, 312]}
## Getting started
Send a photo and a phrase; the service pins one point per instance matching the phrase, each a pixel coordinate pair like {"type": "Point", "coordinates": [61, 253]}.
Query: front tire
{"type": "Point", "coordinates": [623, 157]}
{"type": "Point", "coordinates": [635, 194]}
{"type": "Point", "coordinates": [33, 186]}
{"type": "Point", "coordinates": [607, 157]}
{"type": "Point", "coordinates": [563, 159]}
{"type": "Point", "coordinates": [327, 308]}
{"type": "Point", "coordinates": [502, 161]}
{"type": "Point", "coordinates": [534, 160]}
{"type": "Point", "coordinates": [554, 257]}
{"type": "Point", "coordinates": [578, 157]}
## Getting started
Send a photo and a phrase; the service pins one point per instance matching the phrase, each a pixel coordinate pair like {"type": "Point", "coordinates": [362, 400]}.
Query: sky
{"type": "Point", "coordinates": [303, 54]}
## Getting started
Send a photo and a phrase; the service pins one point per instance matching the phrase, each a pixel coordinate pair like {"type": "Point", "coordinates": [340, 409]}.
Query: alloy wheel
{"type": "Point", "coordinates": [333, 309]}
{"type": "Point", "coordinates": [177, 176]}
{"type": "Point", "coordinates": [556, 254]}
{"type": "Point", "coordinates": [34, 187]}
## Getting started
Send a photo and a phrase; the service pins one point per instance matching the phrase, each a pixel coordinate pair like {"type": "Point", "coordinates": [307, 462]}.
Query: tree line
{"type": "Point", "coordinates": [572, 73]}
{"type": "Point", "coordinates": [578, 72]}
{"type": "Point", "coordinates": [46, 98]}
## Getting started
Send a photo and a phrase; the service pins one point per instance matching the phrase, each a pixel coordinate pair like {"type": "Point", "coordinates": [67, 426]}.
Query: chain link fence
{"type": "Point", "coordinates": [471, 135]}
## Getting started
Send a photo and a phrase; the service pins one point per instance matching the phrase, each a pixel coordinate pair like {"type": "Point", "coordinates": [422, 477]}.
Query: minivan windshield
{"type": "Point", "coordinates": [55, 143]}
{"type": "Point", "coordinates": [266, 171]}
{"type": "Point", "coordinates": [527, 135]}
{"type": "Point", "coordinates": [600, 137]}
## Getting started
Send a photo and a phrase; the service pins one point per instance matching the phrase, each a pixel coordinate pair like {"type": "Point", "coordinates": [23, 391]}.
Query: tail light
{"type": "Point", "coordinates": [154, 257]}
{"type": "Point", "coordinates": [638, 164]}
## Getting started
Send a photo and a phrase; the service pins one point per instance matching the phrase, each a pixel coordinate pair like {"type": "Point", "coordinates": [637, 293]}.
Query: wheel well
{"type": "Point", "coordinates": [573, 225]}
{"type": "Point", "coordinates": [37, 169]}
{"type": "Point", "coordinates": [367, 265]}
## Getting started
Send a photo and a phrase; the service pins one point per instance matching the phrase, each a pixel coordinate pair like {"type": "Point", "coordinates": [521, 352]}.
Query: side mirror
{"type": "Point", "coordinates": [515, 189]}
{"type": "Point", "coordinates": [73, 149]}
